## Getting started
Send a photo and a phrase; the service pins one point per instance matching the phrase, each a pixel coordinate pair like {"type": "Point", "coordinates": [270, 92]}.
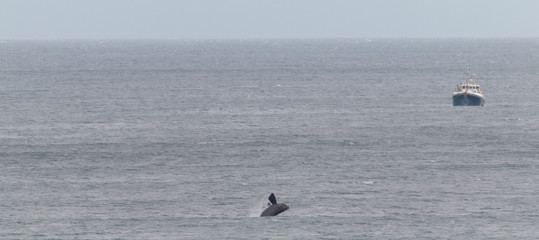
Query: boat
{"type": "Point", "coordinates": [469, 93]}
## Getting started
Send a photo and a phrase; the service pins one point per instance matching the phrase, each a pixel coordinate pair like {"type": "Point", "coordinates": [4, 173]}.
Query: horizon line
{"type": "Point", "coordinates": [267, 38]}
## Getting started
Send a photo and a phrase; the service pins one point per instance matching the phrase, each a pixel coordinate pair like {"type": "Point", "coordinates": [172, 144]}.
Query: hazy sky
{"type": "Point", "coordinates": [179, 19]}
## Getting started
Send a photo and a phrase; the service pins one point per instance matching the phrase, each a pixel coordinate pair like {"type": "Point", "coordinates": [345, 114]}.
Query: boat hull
{"type": "Point", "coordinates": [461, 99]}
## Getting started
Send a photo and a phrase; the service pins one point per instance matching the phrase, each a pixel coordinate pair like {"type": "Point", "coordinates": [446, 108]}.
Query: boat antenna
{"type": "Point", "coordinates": [471, 75]}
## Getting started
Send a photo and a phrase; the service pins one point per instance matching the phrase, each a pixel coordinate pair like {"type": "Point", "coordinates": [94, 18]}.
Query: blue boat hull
{"type": "Point", "coordinates": [468, 100]}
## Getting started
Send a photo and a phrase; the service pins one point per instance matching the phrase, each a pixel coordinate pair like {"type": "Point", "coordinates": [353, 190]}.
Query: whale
{"type": "Point", "coordinates": [274, 208]}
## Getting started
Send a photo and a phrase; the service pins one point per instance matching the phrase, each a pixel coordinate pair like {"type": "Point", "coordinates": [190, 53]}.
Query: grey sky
{"type": "Point", "coordinates": [179, 19]}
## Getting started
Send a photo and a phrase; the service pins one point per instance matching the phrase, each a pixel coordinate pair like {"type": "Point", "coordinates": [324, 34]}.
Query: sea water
{"type": "Point", "coordinates": [186, 139]}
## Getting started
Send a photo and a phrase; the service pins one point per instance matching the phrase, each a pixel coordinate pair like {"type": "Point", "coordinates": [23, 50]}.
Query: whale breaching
{"type": "Point", "coordinates": [274, 209]}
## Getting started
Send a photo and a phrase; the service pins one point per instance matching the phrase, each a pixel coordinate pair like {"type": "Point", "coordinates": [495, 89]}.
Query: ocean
{"type": "Point", "coordinates": [186, 139]}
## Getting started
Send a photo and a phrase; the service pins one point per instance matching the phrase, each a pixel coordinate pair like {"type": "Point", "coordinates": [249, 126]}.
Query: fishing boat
{"type": "Point", "coordinates": [469, 93]}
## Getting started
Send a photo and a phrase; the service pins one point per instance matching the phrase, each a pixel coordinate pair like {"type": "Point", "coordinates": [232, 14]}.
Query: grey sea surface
{"type": "Point", "coordinates": [186, 139]}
